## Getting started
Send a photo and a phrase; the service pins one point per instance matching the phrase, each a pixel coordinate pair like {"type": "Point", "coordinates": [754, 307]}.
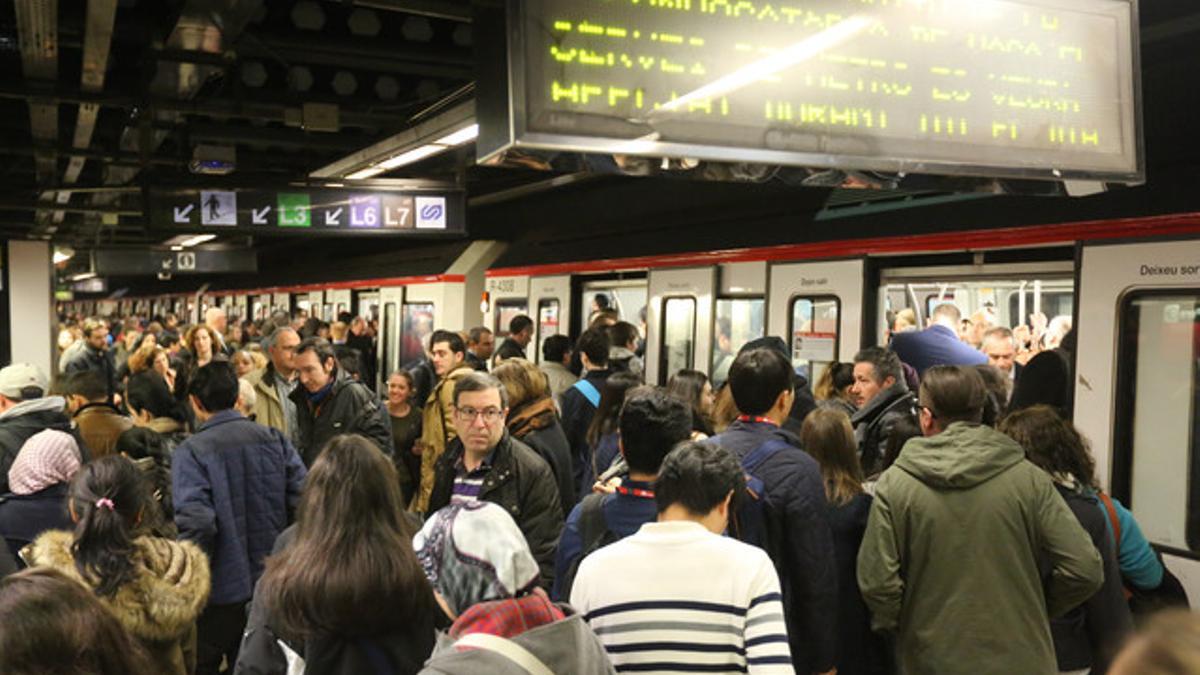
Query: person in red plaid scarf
{"type": "Point", "coordinates": [485, 579]}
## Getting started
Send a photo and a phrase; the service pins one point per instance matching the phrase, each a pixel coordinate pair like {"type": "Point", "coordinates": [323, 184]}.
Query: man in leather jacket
{"type": "Point", "coordinates": [329, 402]}
{"type": "Point", "coordinates": [883, 400]}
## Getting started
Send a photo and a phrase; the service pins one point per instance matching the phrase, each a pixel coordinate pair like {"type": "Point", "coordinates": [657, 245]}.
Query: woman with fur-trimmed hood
{"type": "Point", "coordinates": [155, 587]}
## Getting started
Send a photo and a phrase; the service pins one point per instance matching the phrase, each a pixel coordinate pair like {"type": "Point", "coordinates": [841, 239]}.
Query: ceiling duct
{"type": "Point", "coordinates": [37, 27]}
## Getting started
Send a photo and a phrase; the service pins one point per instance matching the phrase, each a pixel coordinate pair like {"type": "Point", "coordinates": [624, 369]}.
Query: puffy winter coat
{"type": "Point", "coordinates": [159, 606]}
{"type": "Point", "coordinates": [236, 487]}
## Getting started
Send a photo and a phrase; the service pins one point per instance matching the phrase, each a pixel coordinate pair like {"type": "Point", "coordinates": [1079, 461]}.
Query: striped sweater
{"type": "Point", "coordinates": [676, 598]}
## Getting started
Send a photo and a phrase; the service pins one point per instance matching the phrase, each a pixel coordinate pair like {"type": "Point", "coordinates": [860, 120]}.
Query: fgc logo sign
{"type": "Point", "coordinates": [431, 213]}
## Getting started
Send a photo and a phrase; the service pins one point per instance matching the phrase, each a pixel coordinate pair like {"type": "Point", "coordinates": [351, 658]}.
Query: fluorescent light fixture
{"type": "Point", "coordinates": [369, 172]}
{"type": "Point", "coordinates": [62, 255]}
{"type": "Point", "coordinates": [83, 275]}
{"type": "Point", "coordinates": [176, 248]}
{"type": "Point", "coordinates": [197, 239]}
{"type": "Point", "coordinates": [414, 155]}
{"type": "Point", "coordinates": [448, 129]}
{"type": "Point", "coordinates": [763, 68]}
{"type": "Point", "coordinates": [459, 137]}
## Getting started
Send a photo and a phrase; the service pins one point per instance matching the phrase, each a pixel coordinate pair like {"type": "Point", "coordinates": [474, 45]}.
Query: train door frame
{"type": "Point", "coordinates": [664, 285]}
{"type": "Point", "coordinates": [843, 279]}
{"type": "Point", "coordinates": [340, 301]}
{"type": "Point", "coordinates": [388, 345]}
{"type": "Point", "coordinates": [544, 290]}
{"type": "Point", "coordinates": [1111, 274]}
{"type": "Point", "coordinates": [504, 291]}
{"type": "Point", "coordinates": [281, 300]}
{"type": "Point", "coordinates": [582, 285]}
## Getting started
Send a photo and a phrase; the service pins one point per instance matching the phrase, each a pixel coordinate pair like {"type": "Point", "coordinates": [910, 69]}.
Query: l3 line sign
{"type": "Point", "coordinates": [310, 210]}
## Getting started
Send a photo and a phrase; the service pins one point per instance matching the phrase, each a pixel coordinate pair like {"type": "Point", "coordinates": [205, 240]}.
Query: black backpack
{"type": "Point", "coordinates": [593, 532]}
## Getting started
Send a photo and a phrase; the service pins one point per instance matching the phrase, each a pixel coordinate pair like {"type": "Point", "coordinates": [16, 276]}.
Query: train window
{"type": "Point", "coordinates": [388, 341]}
{"type": "Point", "coordinates": [506, 311]}
{"type": "Point", "coordinates": [418, 325]}
{"type": "Point", "coordinates": [814, 331]}
{"type": "Point", "coordinates": [739, 320]}
{"type": "Point", "coordinates": [626, 298]}
{"type": "Point", "coordinates": [547, 323]}
{"type": "Point", "coordinates": [1158, 390]}
{"type": "Point", "coordinates": [678, 336]}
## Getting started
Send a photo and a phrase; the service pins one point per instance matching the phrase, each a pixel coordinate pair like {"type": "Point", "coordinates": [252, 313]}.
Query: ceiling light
{"type": "Point", "coordinates": [83, 275]}
{"type": "Point", "coordinates": [368, 172]}
{"type": "Point", "coordinates": [459, 137]}
{"type": "Point", "coordinates": [176, 248]}
{"type": "Point", "coordinates": [414, 155]}
{"type": "Point", "coordinates": [62, 255]}
{"type": "Point", "coordinates": [197, 239]}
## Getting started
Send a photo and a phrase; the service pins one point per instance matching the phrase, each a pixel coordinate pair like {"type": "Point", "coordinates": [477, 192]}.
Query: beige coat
{"type": "Point", "coordinates": [437, 430]}
{"type": "Point", "coordinates": [268, 409]}
{"type": "Point", "coordinates": [159, 606]}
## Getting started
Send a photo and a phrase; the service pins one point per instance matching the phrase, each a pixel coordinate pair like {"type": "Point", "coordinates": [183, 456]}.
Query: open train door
{"type": "Point", "coordinates": [679, 321]}
{"type": "Point", "coordinates": [1136, 388]}
{"type": "Point", "coordinates": [817, 307]}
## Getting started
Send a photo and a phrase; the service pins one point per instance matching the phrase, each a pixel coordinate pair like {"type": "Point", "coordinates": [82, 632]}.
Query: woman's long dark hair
{"type": "Point", "coordinates": [688, 386]}
{"type": "Point", "coordinates": [612, 397]}
{"type": "Point", "coordinates": [1052, 443]}
{"type": "Point", "coordinates": [146, 445]}
{"type": "Point", "coordinates": [107, 496]}
{"type": "Point", "coordinates": [351, 570]}
{"type": "Point", "coordinates": [53, 625]}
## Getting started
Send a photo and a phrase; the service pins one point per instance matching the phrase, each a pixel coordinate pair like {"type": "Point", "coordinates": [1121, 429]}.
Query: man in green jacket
{"type": "Point", "coordinates": [949, 560]}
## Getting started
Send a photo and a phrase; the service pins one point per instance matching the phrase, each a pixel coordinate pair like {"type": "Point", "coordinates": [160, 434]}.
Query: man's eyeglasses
{"type": "Point", "coordinates": [468, 414]}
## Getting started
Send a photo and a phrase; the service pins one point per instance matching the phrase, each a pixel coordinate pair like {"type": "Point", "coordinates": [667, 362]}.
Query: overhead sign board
{"type": "Point", "coordinates": [310, 210]}
{"type": "Point", "coordinates": [130, 262]}
{"type": "Point", "coordinates": [1023, 88]}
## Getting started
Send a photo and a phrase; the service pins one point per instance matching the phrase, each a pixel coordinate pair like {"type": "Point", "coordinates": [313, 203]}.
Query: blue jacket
{"type": "Point", "coordinates": [623, 515]}
{"type": "Point", "coordinates": [577, 413]}
{"type": "Point", "coordinates": [803, 550]}
{"type": "Point", "coordinates": [237, 485]}
{"type": "Point", "coordinates": [24, 517]}
{"type": "Point", "coordinates": [935, 346]}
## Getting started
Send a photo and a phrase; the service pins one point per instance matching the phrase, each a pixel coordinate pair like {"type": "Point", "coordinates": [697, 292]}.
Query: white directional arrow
{"type": "Point", "coordinates": [260, 217]}
{"type": "Point", "coordinates": [333, 217]}
{"type": "Point", "coordinates": [181, 215]}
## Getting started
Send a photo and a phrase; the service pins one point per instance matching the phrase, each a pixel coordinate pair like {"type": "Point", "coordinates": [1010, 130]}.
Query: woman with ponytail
{"type": "Point", "coordinates": [155, 587]}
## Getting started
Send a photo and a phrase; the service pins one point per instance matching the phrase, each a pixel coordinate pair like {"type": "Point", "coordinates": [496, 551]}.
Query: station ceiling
{"type": "Point", "coordinates": [100, 99]}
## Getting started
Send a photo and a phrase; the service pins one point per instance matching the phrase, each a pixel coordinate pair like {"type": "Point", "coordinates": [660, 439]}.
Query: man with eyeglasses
{"type": "Point", "coordinates": [274, 384]}
{"type": "Point", "coordinates": [485, 463]}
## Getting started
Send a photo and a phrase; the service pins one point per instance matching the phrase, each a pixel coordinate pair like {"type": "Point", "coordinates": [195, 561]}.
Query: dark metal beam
{"type": "Point", "coordinates": [366, 54]}
{"type": "Point", "coordinates": [222, 133]}
{"type": "Point", "coordinates": [17, 205]}
{"type": "Point", "coordinates": [434, 9]}
{"type": "Point", "coordinates": [256, 110]}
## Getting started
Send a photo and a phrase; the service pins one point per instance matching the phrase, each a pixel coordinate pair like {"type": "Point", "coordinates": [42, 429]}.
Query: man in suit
{"type": "Point", "coordinates": [937, 345]}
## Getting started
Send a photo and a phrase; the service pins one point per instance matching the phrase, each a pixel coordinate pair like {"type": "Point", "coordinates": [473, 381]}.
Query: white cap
{"type": "Point", "coordinates": [20, 376]}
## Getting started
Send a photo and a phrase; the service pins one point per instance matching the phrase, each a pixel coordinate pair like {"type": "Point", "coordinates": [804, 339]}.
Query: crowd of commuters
{"type": "Point", "coordinates": [259, 498]}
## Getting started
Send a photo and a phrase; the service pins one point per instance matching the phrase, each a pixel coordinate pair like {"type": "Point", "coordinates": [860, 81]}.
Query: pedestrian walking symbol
{"type": "Point", "coordinates": [218, 208]}
{"type": "Point", "coordinates": [295, 209]}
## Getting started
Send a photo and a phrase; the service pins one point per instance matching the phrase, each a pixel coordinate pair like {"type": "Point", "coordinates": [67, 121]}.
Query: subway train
{"type": "Point", "coordinates": [1131, 288]}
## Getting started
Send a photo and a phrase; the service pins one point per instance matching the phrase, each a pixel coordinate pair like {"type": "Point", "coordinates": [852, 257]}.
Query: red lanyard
{"type": "Point", "coordinates": [635, 492]}
{"type": "Point", "coordinates": [756, 418]}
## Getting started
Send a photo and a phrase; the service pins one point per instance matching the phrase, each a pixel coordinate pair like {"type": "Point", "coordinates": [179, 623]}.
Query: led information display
{"type": "Point", "coordinates": [310, 210]}
{"type": "Point", "coordinates": [1035, 88]}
